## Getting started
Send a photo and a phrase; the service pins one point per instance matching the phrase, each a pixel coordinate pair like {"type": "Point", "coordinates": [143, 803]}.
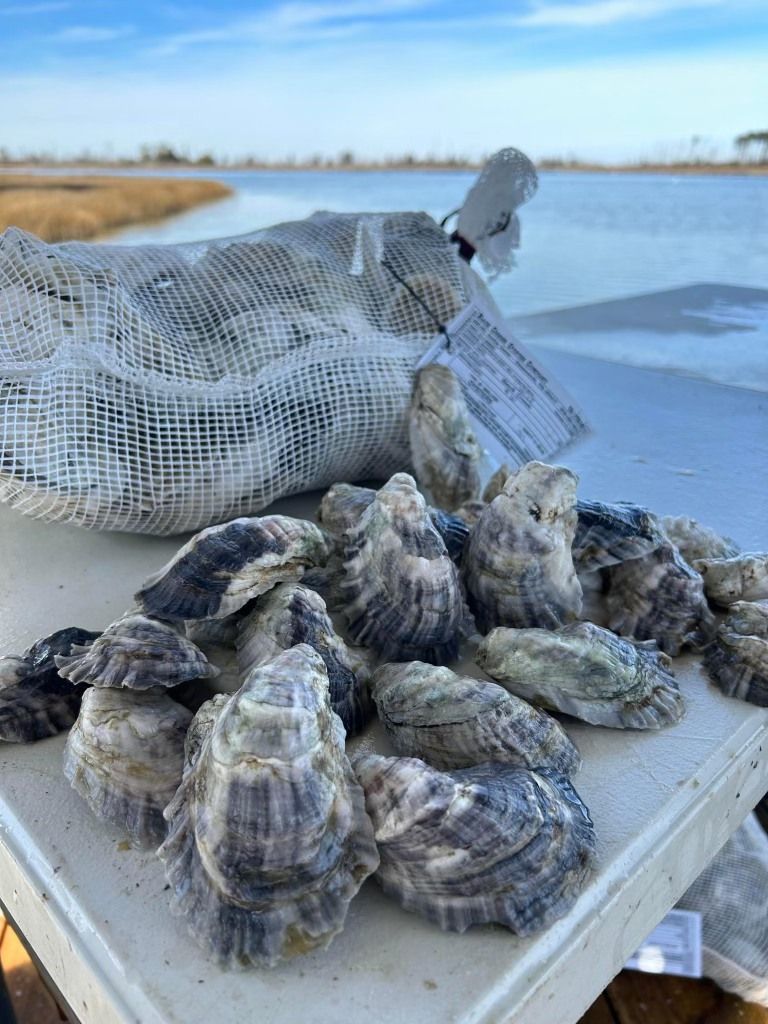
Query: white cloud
{"type": "Point", "coordinates": [91, 34]}
{"type": "Point", "coordinates": [603, 12]}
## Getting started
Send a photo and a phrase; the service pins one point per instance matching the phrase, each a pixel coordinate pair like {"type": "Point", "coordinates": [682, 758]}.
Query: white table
{"type": "Point", "coordinates": [96, 913]}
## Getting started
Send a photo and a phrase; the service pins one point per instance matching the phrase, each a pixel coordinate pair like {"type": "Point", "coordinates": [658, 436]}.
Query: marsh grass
{"type": "Point", "coordinates": [56, 208]}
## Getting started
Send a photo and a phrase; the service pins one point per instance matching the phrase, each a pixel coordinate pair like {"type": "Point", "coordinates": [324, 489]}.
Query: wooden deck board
{"type": "Point", "coordinates": [31, 1000]}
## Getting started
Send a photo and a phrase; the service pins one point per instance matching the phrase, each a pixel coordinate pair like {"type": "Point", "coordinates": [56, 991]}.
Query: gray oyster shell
{"type": "Point", "coordinates": [216, 638]}
{"type": "Point", "coordinates": [496, 482]}
{"type": "Point", "coordinates": [402, 591]}
{"type": "Point", "coordinates": [453, 530]}
{"type": "Point", "coordinates": [737, 659]}
{"type": "Point", "coordinates": [517, 568]}
{"type": "Point", "coordinates": [694, 540]}
{"type": "Point", "coordinates": [610, 534]}
{"type": "Point", "coordinates": [138, 652]}
{"type": "Point", "coordinates": [659, 597]}
{"type": "Point", "coordinates": [292, 614]}
{"type": "Point", "coordinates": [268, 836]}
{"type": "Point", "coordinates": [470, 511]}
{"type": "Point", "coordinates": [124, 756]}
{"type": "Point", "coordinates": [200, 728]}
{"type": "Point", "coordinates": [222, 568]}
{"type": "Point", "coordinates": [492, 843]}
{"type": "Point", "coordinates": [453, 721]}
{"type": "Point", "coordinates": [587, 672]}
{"type": "Point", "coordinates": [741, 578]}
{"type": "Point", "coordinates": [35, 702]}
{"type": "Point", "coordinates": [445, 452]}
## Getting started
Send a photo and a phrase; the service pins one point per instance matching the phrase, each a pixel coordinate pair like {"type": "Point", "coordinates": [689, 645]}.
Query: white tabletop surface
{"type": "Point", "coordinates": [97, 915]}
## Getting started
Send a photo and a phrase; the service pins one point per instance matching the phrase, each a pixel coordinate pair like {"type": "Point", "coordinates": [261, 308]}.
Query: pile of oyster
{"type": "Point", "coordinates": [213, 720]}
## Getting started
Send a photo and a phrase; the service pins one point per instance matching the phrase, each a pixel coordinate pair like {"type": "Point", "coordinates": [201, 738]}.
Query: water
{"type": "Point", "coordinates": [585, 238]}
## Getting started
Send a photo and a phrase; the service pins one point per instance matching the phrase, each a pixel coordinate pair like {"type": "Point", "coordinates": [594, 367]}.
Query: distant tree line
{"type": "Point", "coordinates": [752, 146]}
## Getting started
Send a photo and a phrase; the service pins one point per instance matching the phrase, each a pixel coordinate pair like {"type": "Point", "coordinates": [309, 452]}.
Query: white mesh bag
{"type": "Point", "coordinates": [164, 388]}
{"type": "Point", "coordinates": [732, 897]}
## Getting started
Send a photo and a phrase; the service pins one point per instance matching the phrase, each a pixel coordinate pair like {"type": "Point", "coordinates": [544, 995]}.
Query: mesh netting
{"type": "Point", "coordinates": [164, 388]}
{"type": "Point", "coordinates": [732, 897]}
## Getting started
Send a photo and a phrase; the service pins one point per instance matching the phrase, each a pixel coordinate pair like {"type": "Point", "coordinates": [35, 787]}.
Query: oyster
{"type": "Point", "coordinates": [658, 597]}
{"type": "Point", "coordinates": [587, 672]}
{"type": "Point", "coordinates": [292, 614]}
{"type": "Point", "coordinates": [737, 659]}
{"type": "Point", "coordinates": [495, 484]}
{"type": "Point", "coordinates": [517, 567]}
{"type": "Point", "coordinates": [200, 727]}
{"type": "Point", "coordinates": [137, 652]}
{"type": "Point", "coordinates": [610, 534]}
{"type": "Point", "coordinates": [493, 843]}
{"type": "Point", "coordinates": [453, 530]}
{"type": "Point", "coordinates": [694, 540]}
{"type": "Point", "coordinates": [741, 578]}
{"type": "Point", "coordinates": [402, 591]}
{"type": "Point", "coordinates": [470, 511]}
{"type": "Point", "coordinates": [268, 836]}
{"type": "Point", "coordinates": [220, 569]}
{"type": "Point", "coordinates": [445, 452]}
{"type": "Point", "coordinates": [453, 721]}
{"type": "Point", "coordinates": [124, 756]}
{"type": "Point", "coordinates": [35, 701]}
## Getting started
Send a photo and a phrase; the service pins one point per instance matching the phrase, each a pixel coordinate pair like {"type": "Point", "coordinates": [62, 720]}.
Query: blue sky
{"type": "Point", "coordinates": [603, 79]}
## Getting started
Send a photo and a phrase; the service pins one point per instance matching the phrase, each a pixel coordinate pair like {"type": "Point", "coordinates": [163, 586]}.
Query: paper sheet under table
{"type": "Point", "coordinates": [96, 914]}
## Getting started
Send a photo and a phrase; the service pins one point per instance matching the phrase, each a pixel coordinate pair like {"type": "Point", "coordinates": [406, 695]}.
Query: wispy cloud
{"type": "Point", "coordinates": [603, 12]}
{"type": "Point", "coordinates": [43, 8]}
{"type": "Point", "coordinates": [91, 33]}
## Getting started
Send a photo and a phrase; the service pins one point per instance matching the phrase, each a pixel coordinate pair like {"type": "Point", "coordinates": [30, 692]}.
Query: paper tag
{"type": "Point", "coordinates": [519, 413]}
{"type": "Point", "coordinates": [673, 947]}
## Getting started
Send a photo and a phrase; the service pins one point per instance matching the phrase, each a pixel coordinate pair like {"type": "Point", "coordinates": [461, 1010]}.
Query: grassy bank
{"type": "Point", "coordinates": [59, 208]}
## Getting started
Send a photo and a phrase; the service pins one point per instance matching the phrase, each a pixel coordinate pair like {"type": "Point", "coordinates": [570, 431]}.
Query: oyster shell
{"type": "Point", "coordinates": [741, 578]}
{"type": "Point", "coordinates": [444, 450]}
{"type": "Point", "coordinates": [220, 569]}
{"type": "Point", "coordinates": [268, 836]}
{"type": "Point", "coordinates": [138, 652]}
{"type": "Point", "coordinates": [402, 591]}
{"type": "Point", "coordinates": [694, 540]}
{"type": "Point", "coordinates": [492, 843]}
{"type": "Point", "coordinates": [587, 672]}
{"type": "Point", "coordinates": [495, 484]}
{"type": "Point", "coordinates": [453, 721]}
{"type": "Point", "coordinates": [518, 568]}
{"type": "Point", "coordinates": [610, 534]}
{"type": "Point", "coordinates": [124, 756]}
{"type": "Point", "coordinates": [35, 701]}
{"type": "Point", "coordinates": [737, 659]}
{"type": "Point", "coordinates": [453, 530]}
{"type": "Point", "coordinates": [658, 597]}
{"type": "Point", "coordinates": [200, 728]}
{"type": "Point", "coordinates": [292, 614]}
{"type": "Point", "coordinates": [470, 512]}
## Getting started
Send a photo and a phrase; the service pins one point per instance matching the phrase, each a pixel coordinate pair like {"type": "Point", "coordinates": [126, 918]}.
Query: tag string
{"type": "Point", "coordinates": [442, 329]}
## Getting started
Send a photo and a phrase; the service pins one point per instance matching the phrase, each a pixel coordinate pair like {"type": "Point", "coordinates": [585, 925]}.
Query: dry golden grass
{"type": "Point", "coordinates": [56, 208]}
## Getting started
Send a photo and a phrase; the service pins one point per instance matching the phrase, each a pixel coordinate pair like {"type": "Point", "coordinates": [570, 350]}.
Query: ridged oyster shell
{"type": "Point", "coordinates": [496, 482]}
{"type": "Point", "coordinates": [124, 756]}
{"type": "Point", "coordinates": [741, 578]}
{"type": "Point", "coordinates": [587, 672]}
{"type": "Point", "coordinates": [737, 659]}
{"type": "Point", "coordinates": [453, 721]}
{"type": "Point", "coordinates": [292, 614]}
{"type": "Point", "coordinates": [402, 591]}
{"type": "Point", "coordinates": [268, 836]}
{"type": "Point", "coordinates": [492, 843]}
{"type": "Point", "coordinates": [138, 652]}
{"type": "Point", "coordinates": [694, 540]}
{"type": "Point", "coordinates": [609, 534]}
{"type": "Point", "coordinates": [35, 702]}
{"type": "Point", "coordinates": [445, 452]}
{"type": "Point", "coordinates": [518, 568]}
{"type": "Point", "coordinates": [658, 597]}
{"type": "Point", "coordinates": [222, 568]}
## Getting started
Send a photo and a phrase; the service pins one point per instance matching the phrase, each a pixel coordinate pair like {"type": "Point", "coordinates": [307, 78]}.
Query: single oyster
{"type": "Point", "coordinates": [658, 597]}
{"type": "Point", "coordinates": [741, 578]}
{"type": "Point", "coordinates": [137, 652]}
{"type": "Point", "coordinates": [517, 567]}
{"type": "Point", "coordinates": [292, 614]}
{"type": "Point", "coordinates": [737, 659]}
{"type": "Point", "coordinates": [491, 843]}
{"type": "Point", "coordinates": [444, 449]}
{"type": "Point", "coordinates": [35, 701]}
{"type": "Point", "coordinates": [495, 484]}
{"type": "Point", "coordinates": [268, 836]}
{"type": "Point", "coordinates": [220, 569]}
{"type": "Point", "coordinates": [124, 756]}
{"type": "Point", "coordinates": [587, 672]}
{"type": "Point", "coordinates": [453, 721]}
{"type": "Point", "coordinates": [694, 540]}
{"type": "Point", "coordinates": [610, 534]}
{"type": "Point", "coordinates": [402, 589]}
